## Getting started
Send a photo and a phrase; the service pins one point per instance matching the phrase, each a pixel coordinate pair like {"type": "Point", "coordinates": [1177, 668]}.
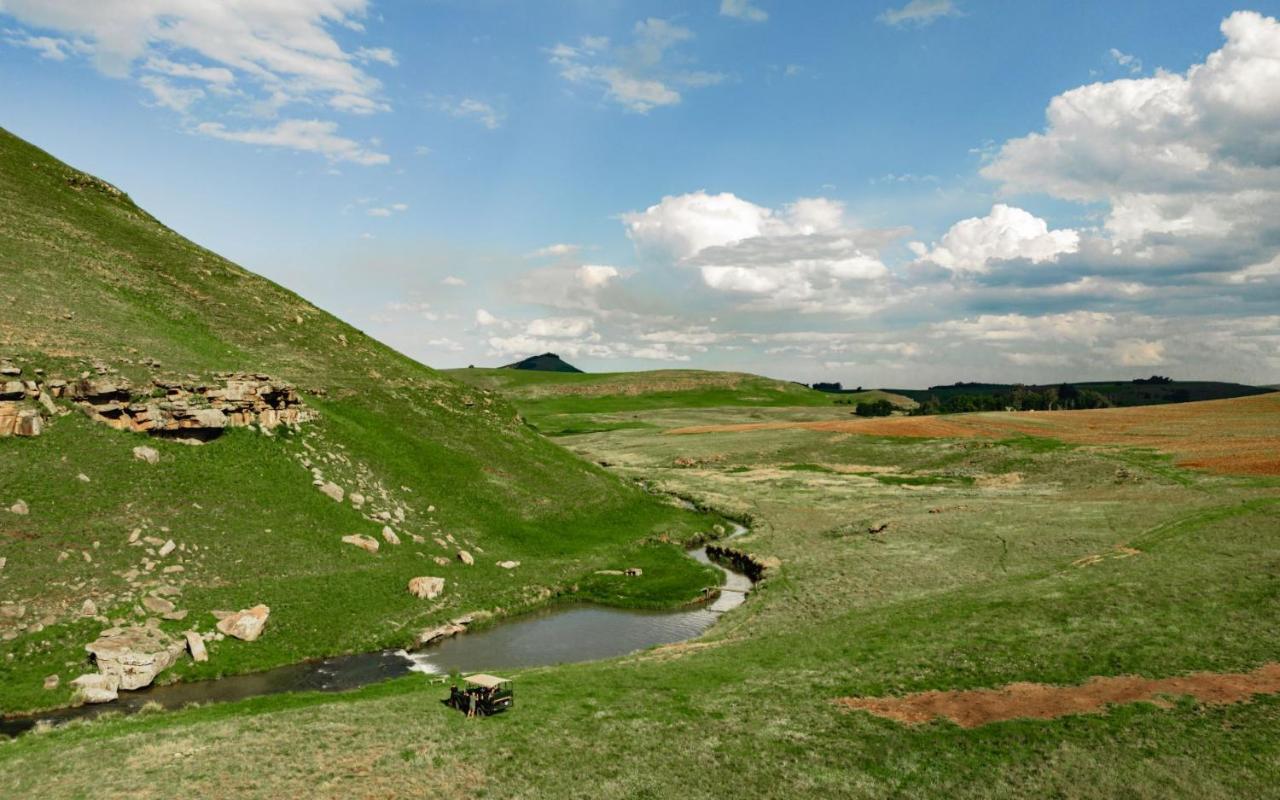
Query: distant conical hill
{"type": "Point", "coordinates": [547, 362]}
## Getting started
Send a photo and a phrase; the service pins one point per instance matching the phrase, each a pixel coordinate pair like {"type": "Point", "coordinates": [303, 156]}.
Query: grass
{"type": "Point", "coordinates": [103, 283]}
{"type": "Point", "coordinates": [968, 587]}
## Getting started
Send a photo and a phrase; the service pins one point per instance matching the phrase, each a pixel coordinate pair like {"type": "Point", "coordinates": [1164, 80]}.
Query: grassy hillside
{"type": "Point", "coordinates": [92, 284]}
{"type": "Point", "coordinates": [549, 400]}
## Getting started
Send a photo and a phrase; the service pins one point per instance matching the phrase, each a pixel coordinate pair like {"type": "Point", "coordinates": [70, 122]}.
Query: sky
{"type": "Point", "coordinates": [894, 193]}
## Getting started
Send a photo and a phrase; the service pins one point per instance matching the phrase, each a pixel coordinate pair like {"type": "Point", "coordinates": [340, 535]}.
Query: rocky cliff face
{"type": "Point", "coordinates": [192, 409]}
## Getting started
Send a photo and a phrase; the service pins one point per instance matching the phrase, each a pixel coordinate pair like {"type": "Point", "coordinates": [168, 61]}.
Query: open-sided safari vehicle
{"type": "Point", "coordinates": [482, 695]}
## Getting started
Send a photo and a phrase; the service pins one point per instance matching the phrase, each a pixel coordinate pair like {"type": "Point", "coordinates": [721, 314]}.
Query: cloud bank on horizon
{"type": "Point", "coordinates": [1134, 231]}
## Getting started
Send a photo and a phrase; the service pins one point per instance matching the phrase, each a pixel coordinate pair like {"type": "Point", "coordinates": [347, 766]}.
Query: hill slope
{"type": "Point", "coordinates": [547, 362]}
{"type": "Point", "coordinates": [1119, 393]}
{"type": "Point", "coordinates": [548, 399]}
{"type": "Point", "coordinates": [95, 285]}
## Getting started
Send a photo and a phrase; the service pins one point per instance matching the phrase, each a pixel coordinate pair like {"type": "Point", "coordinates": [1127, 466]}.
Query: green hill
{"type": "Point", "coordinates": [547, 362]}
{"type": "Point", "coordinates": [548, 398]}
{"type": "Point", "coordinates": [1118, 393]}
{"type": "Point", "coordinates": [95, 286]}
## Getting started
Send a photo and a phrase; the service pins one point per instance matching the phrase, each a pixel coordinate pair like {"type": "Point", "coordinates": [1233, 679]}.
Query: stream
{"type": "Point", "coordinates": [564, 634]}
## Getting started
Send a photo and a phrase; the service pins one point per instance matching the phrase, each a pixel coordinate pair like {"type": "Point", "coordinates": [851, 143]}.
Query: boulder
{"type": "Point", "coordinates": [332, 490]}
{"type": "Point", "coordinates": [465, 558]}
{"type": "Point", "coordinates": [3, 561]}
{"type": "Point", "coordinates": [246, 624]}
{"type": "Point", "coordinates": [20, 508]}
{"type": "Point", "coordinates": [166, 548]}
{"type": "Point", "coordinates": [29, 423]}
{"type": "Point", "coordinates": [95, 687]}
{"type": "Point", "coordinates": [195, 643]}
{"type": "Point", "coordinates": [147, 454]}
{"type": "Point", "coordinates": [51, 682]}
{"type": "Point", "coordinates": [441, 560]}
{"type": "Point", "coordinates": [508, 564]}
{"type": "Point", "coordinates": [134, 656]}
{"type": "Point", "coordinates": [440, 632]}
{"type": "Point", "coordinates": [89, 609]}
{"type": "Point", "coordinates": [390, 535]}
{"type": "Point", "coordinates": [157, 605]}
{"type": "Point", "coordinates": [209, 418]}
{"type": "Point", "coordinates": [357, 499]}
{"type": "Point", "coordinates": [426, 588]}
{"type": "Point", "coordinates": [364, 542]}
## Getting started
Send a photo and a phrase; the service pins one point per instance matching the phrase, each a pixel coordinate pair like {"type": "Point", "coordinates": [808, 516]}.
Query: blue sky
{"type": "Point", "coordinates": [884, 193]}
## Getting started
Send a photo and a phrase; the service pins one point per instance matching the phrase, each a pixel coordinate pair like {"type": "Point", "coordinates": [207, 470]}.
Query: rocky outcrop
{"type": "Point", "coordinates": [191, 408]}
{"type": "Point", "coordinates": [753, 566]}
{"type": "Point", "coordinates": [426, 587]}
{"type": "Point", "coordinates": [246, 624]}
{"type": "Point", "coordinates": [363, 542]}
{"type": "Point", "coordinates": [95, 687]}
{"type": "Point", "coordinates": [134, 656]}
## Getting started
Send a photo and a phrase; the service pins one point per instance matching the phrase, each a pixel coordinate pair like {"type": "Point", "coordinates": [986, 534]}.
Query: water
{"type": "Point", "coordinates": [563, 635]}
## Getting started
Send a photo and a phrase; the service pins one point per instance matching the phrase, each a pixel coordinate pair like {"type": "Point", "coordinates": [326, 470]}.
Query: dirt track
{"type": "Point", "coordinates": [1236, 436]}
{"type": "Point", "coordinates": [969, 709]}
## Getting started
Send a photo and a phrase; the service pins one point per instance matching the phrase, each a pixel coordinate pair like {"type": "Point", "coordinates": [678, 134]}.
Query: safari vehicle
{"type": "Point", "coordinates": [482, 695]}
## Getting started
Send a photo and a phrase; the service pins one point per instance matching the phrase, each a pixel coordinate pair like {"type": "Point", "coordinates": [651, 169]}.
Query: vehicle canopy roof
{"type": "Point", "coordinates": [486, 681]}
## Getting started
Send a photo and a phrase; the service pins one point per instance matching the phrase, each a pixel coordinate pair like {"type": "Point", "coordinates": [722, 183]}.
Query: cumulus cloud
{"type": "Point", "coordinates": [452, 280]}
{"type": "Point", "coordinates": [568, 287]}
{"type": "Point", "coordinates": [919, 12]}
{"type": "Point", "coordinates": [1181, 155]}
{"type": "Point", "coordinates": [274, 54]}
{"type": "Point", "coordinates": [636, 76]}
{"type": "Point", "coordinates": [557, 250]}
{"type": "Point", "coordinates": [803, 256]}
{"type": "Point", "coordinates": [1004, 234]}
{"type": "Point", "coordinates": [311, 136]}
{"type": "Point", "coordinates": [742, 9]}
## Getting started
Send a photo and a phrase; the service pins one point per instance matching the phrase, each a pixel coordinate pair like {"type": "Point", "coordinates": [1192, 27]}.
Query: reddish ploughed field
{"type": "Point", "coordinates": [975, 707]}
{"type": "Point", "coordinates": [1236, 436]}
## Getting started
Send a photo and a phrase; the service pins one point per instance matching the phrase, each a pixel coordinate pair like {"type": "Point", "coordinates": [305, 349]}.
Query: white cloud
{"type": "Point", "coordinates": [386, 211]}
{"type": "Point", "coordinates": [170, 96]}
{"type": "Point", "coordinates": [560, 327]}
{"type": "Point", "coordinates": [567, 287]}
{"type": "Point", "coordinates": [276, 54]}
{"type": "Point", "coordinates": [636, 76]}
{"type": "Point", "coordinates": [1006, 233]}
{"type": "Point", "coordinates": [486, 320]}
{"type": "Point", "coordinates": [742, 9]}
{"type": "Point", "coordinates": [452, 280]}
{"type": "Point", "coordinates": [1126, 60]}
{"type": "Point", "coordinates": [1138, 353]}
{"type": "Point", "coordinates": [49, 47]}
{"type": "Point", "coordinates": [802, 257]}
{"type": "Point", "coordinates": [919, 12]}
{"type": "Point", "coordinates": [472, 109]}
{"type": "Point", "coordinates": [1082, 327]}
{"type": "Point", "coordinates": [312, 136]}
{"type": "Point", "coordinates": [445, 343]}
{"type": "Point", "coordinates": [1194, 154]}
{"type": "Point", "coordinates": [558, 250]}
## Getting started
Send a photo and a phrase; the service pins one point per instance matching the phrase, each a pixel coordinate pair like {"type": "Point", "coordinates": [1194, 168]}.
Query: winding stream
{"type": "Point", "coordinates": [558, 635]}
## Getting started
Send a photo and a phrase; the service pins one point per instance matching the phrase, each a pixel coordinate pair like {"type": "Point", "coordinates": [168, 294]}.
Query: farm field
{"type": "Point", "coordinates": [996, 561]}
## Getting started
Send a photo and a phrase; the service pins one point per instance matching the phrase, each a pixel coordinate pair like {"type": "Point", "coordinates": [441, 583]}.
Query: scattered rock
{"type": "Point", "coordinates": [134, 656]}
{"type": "Point", "coordinates": [51, 682]}
{"type": "Point", "coordinates": [332, 490]}
{"type": "Point", "coordinates": [357, 499]}
{"type": "Point", "coordinates": [390, 535]}
{"type": "Point", "coordinates": [426, 588]}
{"type": "Point", "coordinates": [13, 611]}
{"type": "Point", "coordinates": [364, 542]}
{"type": "Point", "coordinates": [20, 508]}
{"type": "Point", "coordinates": [176, 615]}
{"type": "Point", "coordinates": [94, 687]}
{"type": "Point", "coordinates": [82, 477]}
{"type": "Point", "coordinates": [147, 454]}
{"type": "Point", "coordinates": [246, 624]}
{"type": "Point", "coordinates": [508, 564]}
{"type": "Point", "coordinates": [608, 572]}
{"type": "Point", "coordinates": [3, 561]}
{"type": "Point", "coordinates": [441, 560]}
{"type": "Point", "coordinates": [89, 609]}
{"type": "Point", "coordinates": [157, 605]}
{"type": "Point", "coordinates": [195, 643]}
{"type": "Point", "coordinates": [166, 548]}
{"type": "Point", "coordinates": [465, 558]}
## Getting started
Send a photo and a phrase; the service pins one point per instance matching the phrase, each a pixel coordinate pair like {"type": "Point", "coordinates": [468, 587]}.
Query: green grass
{"type": "Point", "coordinates": [103, 282]}
{"type": "Point", "coordinates": [968, 587]}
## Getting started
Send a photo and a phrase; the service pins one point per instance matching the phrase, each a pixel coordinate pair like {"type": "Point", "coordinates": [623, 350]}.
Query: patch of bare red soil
{"type": "Point", "coordinates": [1236, 436]}
{"type": "Point", "coordinates": [972, 708]}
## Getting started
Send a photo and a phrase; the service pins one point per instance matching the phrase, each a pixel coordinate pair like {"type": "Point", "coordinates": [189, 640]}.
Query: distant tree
{"type": "Point", "coordinates": [875, 408]}
{"type": "Point", "coordinates": [828, 387]}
